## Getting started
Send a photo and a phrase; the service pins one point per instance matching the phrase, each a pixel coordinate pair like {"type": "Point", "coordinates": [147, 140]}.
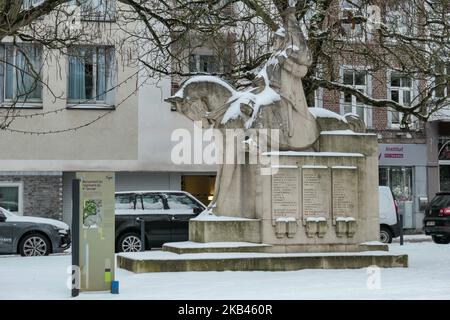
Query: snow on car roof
{"type": "Point", "coordinates": [153, 191]}
{"type": "Point", "coordinates": [160, 191]}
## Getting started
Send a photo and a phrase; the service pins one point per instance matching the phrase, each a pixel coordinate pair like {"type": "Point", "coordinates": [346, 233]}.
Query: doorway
{"type": "Point", "coordinates": [444, 163]}
{"type": "Point", "coordinates": [200, 186]}
{"type": "Point", "coordinates": [444, 176]}
{"type": "Point", "coordinates": [400, 180]}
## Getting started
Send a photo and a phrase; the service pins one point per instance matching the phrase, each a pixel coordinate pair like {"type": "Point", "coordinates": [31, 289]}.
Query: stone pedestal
{"type": "Point", "coordinates": [317, 201]}
{"type": "Point", "coordinates": [239, 230]}
{"type": "Point", "coordinates": [326, 200]}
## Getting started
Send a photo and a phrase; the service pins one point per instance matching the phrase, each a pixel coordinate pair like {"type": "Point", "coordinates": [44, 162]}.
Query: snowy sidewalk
{"type": "Point", "coordinates": [427, 277]}
{"type": "Point", "coordinates": [412, 238]}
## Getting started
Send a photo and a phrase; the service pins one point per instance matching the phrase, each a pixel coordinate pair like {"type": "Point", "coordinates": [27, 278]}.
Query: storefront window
{"type": "Point", "coordinates": [444, 177]}
{"type": "Point", "coordinates": [383, 177]}
{"type": "Point", "coordinates": [444, 163]}
{"type": "Point", "coordinates": [399, 179]}
{"type": "Point", "coordinates": [444, 148]}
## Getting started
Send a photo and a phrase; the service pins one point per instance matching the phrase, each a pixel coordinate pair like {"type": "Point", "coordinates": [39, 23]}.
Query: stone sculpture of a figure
{"type": "Point", "coordinates": [275, 101]}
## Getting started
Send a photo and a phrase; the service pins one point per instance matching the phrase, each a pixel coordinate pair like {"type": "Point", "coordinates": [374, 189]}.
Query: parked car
{"type": "Point", "coordinates": [165, 214]}
{"type": "Point", "coordinates": [32, 236]}
{"type": "Point", "coordinates": [389, 218]}
{"type": "Point", "coordinates": [437, 218]}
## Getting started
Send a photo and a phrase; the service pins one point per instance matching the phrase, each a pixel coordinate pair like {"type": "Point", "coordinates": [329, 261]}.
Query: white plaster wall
{"type": "Point", "coordinates": [135, 137]}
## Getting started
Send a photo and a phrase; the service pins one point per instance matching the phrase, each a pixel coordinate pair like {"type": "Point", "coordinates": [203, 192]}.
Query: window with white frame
{"type": "Point", "coordinates": [28, 4]}
{"type": "Point", "coordinates": [318, 98]}
{"type": "Point", "coordinates": [203, 63]}
{"type": "Point", "coordinates": [359, 80]}
{"type": "Point", "coordinates": [400, 90]}
{"type": "Point", "coordinates": [11, 196]}
{"type": "Point", "coordinates": [315, 99]}
{"type": "Point", "coordinates": [98, 9]}
{"type": "Point", "coordinates": [318, 93]}
{"type": "Point", "coordinates": [441, 84]}
{"type": "Point", "coordinates": [91, 75]}
{"type": "Point", "coordinates": [435, 12]}
{"type": "Point", "coordinates": [20, 73]}
{"type": "Point", "coordinates": [400, 18]}
{"type": "Point", "coordinates": [306, 20]}
{"type": "Point", "coordinates": [350, 28]}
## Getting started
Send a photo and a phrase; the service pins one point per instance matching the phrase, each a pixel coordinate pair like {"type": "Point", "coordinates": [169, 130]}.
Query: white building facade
{"type": "Point", "coordinates": [92, 114]}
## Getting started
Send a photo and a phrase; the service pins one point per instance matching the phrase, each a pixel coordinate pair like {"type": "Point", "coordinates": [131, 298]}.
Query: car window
{"type": "Point", "coordinates": [10, 205]}
{"type": "Point", "coordinates": [152, 201]}
{"type": "Point", "coordinates": [441, 201]}
{"type": "Point", "coordinates": [180, 201]}
{"type": "Point", "coordinates": [125, 201]}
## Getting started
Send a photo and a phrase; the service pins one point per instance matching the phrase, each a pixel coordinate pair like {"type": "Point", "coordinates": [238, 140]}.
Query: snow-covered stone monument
{"type": "Point", "coordinates": [321, 193]}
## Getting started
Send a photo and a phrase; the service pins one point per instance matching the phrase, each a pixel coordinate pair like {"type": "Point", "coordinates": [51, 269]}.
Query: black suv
{"type": "Point", "coordinates": [437, 218]}
{"type": "Point", "coordinates": [166, 216]}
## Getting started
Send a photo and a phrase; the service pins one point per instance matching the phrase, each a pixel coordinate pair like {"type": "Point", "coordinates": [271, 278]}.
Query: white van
{"type": "Point", "coordinates": [389, 219]}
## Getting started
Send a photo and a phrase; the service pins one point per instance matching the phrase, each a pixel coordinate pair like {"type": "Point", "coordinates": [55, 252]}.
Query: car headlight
{"type": "Point", "coordinates": [62, 231]}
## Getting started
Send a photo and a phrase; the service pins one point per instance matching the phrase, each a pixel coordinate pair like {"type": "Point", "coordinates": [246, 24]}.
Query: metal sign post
{"type": "Point", "coordinates": [401, 229]}
{"type": "Point", "coordinates": [75, 237]}
{"type": "Point", "coordinates": [142, 224]}
{"type": "Point", "coordinates": [95, 229]}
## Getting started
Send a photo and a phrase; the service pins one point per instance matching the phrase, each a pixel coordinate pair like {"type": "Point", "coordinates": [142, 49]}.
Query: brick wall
{"type": "Point", "coordinates": [42, 194]}
{"type": "Point", "coordinates": [380, 125]}
{"type": "Point", "coordinates": [379, 89]}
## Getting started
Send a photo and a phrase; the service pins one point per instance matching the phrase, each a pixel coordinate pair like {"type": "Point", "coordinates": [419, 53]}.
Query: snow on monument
{"type": "Point", "coordinates": [322, 191]}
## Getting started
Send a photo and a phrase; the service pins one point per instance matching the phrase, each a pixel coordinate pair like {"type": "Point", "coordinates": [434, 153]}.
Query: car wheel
{"type": "Point", "coordinates": [130, 242]}
{"type": "Point", "coordinates": [385, 235]}
{"type": "Point", "coordinates": [441, 239]}
{"type": "Point", "coordinates": [34, 244]}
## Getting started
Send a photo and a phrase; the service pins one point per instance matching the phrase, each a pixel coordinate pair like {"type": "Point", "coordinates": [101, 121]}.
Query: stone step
{"type": "Point", "coordinates": [163, 261]}
{"type": "Point", "coordinates": [200, 247]}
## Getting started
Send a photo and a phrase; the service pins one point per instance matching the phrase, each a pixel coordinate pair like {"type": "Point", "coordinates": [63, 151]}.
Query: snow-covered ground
{"type": "Point", "coordinates": [414, 238]}
{"type": "Point", "coordinates": [428, 277]}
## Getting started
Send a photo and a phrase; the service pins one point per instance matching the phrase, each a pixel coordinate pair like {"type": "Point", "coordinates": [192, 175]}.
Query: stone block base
{"type": "Point", "coordinates": [157, 261]}
{"type": "Point", "coordinates": [202, 247]}
{"type": "Point", "coordinates": [336, 248]}
{"type": "Point", "coordinates": [225, 230]}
